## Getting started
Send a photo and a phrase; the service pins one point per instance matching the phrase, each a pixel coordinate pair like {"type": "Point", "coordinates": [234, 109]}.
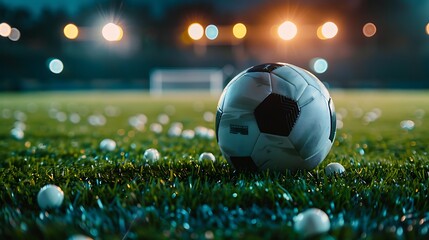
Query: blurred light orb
{"type": "Point", "coordinates": [212, 32]}
{"type": "Point", "coordinates": [5, 29]}
{"type": "Point", "coordinates": [56, 66]}
{"type": "Point", "coordinates": [239, 30]}
{"type": "Point", "coordinates": [319, 65]}
{"type": "Point", "coordinates": [369, 29]}
{"type": "Point", "coordinates": [287, 30]}
{"type": "Point", "coordinates": [195, 31]}
{"type": "Point", "coordinates": [327, 31]}
{"type": "Point", "coordinates": [427, 29]}
{"type": "Point", "coordinates": [112, 32]}
{"type": "Point", "coordinates": [71, 31]}
{"type": "Point", "coordinates": [14, 35]}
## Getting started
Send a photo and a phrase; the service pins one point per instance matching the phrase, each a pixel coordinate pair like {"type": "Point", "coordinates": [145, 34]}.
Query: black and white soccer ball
{"type": "Point", "coordinates": [275, 116]}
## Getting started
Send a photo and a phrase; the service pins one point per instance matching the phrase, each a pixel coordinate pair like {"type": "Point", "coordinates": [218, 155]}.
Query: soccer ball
{"type": "Point", "coordinates": [275, 116]}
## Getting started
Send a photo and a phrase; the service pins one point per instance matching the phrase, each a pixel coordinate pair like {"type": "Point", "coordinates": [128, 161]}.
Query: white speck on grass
{"type": "Point", "coordinates": [208, 116]}
{"type": "Point", "coordinates": [407, 125]}
{"type": "Point", "coordinates": [207, 156]}
{"type": "Point", "coordinates": [163, 119]}
{"type": "Point", "coordinates": [156, 128]}
{"type": "Point", "coordinates": [108, 145]}
{"type": "Point", "coordinates": [188, 134]}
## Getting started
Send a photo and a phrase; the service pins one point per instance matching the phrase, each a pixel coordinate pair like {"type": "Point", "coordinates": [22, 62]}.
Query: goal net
{"type": "Point", "coordinates": [186, 80]}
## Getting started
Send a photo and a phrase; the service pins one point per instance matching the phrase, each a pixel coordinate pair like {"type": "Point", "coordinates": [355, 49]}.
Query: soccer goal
{"type": "Point", "coordinates": [186, 80]}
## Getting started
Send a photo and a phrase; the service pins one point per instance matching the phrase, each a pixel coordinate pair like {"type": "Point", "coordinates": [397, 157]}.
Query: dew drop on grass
{"type": "Point", "coordinates": [209, 235]}
{"type": "Point", "coordinates": [399, 231]}
{"type": "Point", "coordinates": [424, 230]}
{"type": "Point", "coordinates": [24, 227]}
{"type": "Point", "coordinates": [186, 226]}
{"type": "Point", "coordinates": [100, 204]}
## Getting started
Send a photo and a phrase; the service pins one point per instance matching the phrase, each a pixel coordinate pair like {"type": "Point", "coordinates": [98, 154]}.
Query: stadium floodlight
{"type": "Point", "coordinates": [287, 30]}
{"type": "Point", "coordinates": [71, 31]}
{"type": "Point", "coordinates": [195, 31]}
{"type": "Point", "coordinates": [5, 29]}
{"type": "Point", "coordinates": [319, 65]}
{"type": "Point", "coordinates": [14, 35]}
{"type": "Point", "coordinates": [239, 30]}
{"type": "Point", "coordinates": [327, 31]}
{"type": "Point", "coordinates": [212, 32]}
{"type": "Point", "coordinates": [112, 32]}
{"type": "Point", "coordinates": [186, 80]}
{"type": "Point", "coordinates": [55, 65]}
{"type": "Point", "coordinates": [369, 29]}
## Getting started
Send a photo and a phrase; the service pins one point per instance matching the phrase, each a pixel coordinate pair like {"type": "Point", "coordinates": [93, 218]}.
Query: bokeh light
{"type": "Point", "coordinates": [5, 29]}
{"type": "Point", "coordinates": [14, 35]}
{"type": "Point", "coordinates": [327, 31]}
{"type": "Point", "coordinates": [55, 65]}
{"type": "Point", "coordinates": [427, 29]}
{"type": "Point", "coordinates": [319, 65]}
{"type": "Point", "coordinates": [369, 29]}
{"type": "Point", "coordinates": [287, 30]}
{"type": "Point", "coordinates": [239, 30]}
{"type": "Point", "coordinates": [195, 31]}
{"type": "Point", "coordinates": [112, 32]}
{"type": "Point", "coordinates": [212, 32]}
{"type": "Point", "coordinates": [71, 31]}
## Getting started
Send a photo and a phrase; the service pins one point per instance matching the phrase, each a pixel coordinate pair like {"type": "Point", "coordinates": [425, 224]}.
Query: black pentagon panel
{"type": "Point", "coordinates": [267, 67]}
{"type": "Point", "coordinates": [277, 115]}
{"type": "Point", "coordinates": [218, 117]}
{"type": "Point", "coordinates": [333, 120]}
{"type": "Point", "coordinates": [244, 164]}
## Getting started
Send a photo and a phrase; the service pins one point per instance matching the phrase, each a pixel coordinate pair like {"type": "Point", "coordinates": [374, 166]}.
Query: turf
{"type": "Point", "coordinates": [119, 195]}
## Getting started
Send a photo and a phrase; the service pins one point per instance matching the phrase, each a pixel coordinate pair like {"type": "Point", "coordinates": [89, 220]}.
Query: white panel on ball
{"type": "Point", "coordinates": [239, 132]}
{"type": "Point", "coordinates": [291, 73]}
{"type": "Point", "coordinates": [247, 92]}
{"type": "Point", "coordinates": [315, 82]}
{"type": "Point", "coordinates": [276, 152]}
{"type": "Point", "coordinates": [289, 83]}
{"type": "Point", "coordinates": [311, 131]}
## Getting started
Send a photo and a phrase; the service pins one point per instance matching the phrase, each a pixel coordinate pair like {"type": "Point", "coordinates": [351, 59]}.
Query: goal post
{"type": "Point", "coordinates": [186, 80]}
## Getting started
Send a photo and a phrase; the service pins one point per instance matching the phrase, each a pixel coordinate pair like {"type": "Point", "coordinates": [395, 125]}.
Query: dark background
{"type": "Point", "coordinates": [155, 37]}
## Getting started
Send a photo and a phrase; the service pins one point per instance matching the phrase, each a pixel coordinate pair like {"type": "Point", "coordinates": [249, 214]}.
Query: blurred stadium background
{"type": "Point", "coordinates": [110, 44]}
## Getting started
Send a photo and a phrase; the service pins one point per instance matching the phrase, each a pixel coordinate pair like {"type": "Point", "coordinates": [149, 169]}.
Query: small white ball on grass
{"type": "Point", "coordinates": [174, 131]}
{"type": "Point", "coordinates": [156, 128]}
{"type": "Point", "coordinates": [108, 145]}
{"type": "Point", "coordinates": [207, 156]}
{"type": "Point", "coordinates": [17, 133]}
{"type": "Point", "coordinates": [163, 119]}
{"type": "Point", "coordinates": [188, 134]}
{"type": "Point", "coordinates": [151, 154]}
{"type": "Point", "coordinates": [79, 237]}
{"type": "Point", "coordinates": [50, 196]}
{"type": "Point", "coordinates": [200, 131]}
{"type": "Point", "coordinates": [211, 134]}
{"type": "Point", "coordinates": [311, 222]}
{"type": "Point", "coordinates": [334, 168]}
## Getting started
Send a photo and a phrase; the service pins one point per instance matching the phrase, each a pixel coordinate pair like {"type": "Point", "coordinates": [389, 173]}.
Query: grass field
{"type": "Point", "coordinates": [118, 195]}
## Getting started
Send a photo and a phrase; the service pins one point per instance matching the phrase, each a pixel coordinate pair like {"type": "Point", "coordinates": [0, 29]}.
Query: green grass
{"type": "Point", "coordinates": [118, 195]}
